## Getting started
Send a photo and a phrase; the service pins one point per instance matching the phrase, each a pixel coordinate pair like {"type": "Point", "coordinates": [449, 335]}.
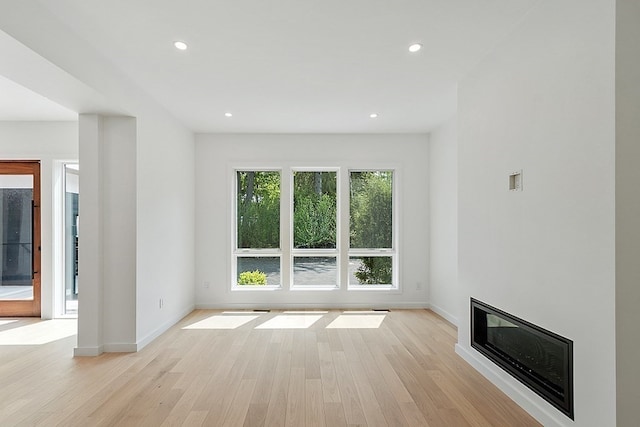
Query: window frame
{"type": "Point", "coordinates": [314, 253]}
{"type": "Point", "coordinates": [342, 252]}
{"type": "Point", "coordinates": [376, 252]}
{"type": "Point", "coordinates": [237, 252]}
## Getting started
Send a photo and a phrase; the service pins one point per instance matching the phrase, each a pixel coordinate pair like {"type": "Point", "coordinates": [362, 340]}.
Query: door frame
{"type": "Point", "coordinates": [27, 308]}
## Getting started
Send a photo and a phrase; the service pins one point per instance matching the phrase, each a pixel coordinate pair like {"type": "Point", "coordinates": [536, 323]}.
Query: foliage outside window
{"type": "Point", "coordinates": [258, 228]}
{"type": "Point", "coordinates": [372, 270]}
{"type": "Point", "coordinates": [371, 209]}
{"type": "Point", "coordinates": [314, 254]}
{"type": "Point", "coordinates": [258, 270]}
{"type": "Point", "coordinates": [314, 210]}
{"type": "Point", "coordinates": [315, 224]}
{"type": "Point", "coordinates": [256, 277]}
{"type": "Point", "coordinates": [258, 209]}
{"type": "Point", "coordinates": [371, 226]}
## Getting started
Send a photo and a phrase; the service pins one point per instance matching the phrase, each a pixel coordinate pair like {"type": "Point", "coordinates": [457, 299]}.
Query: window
{"type": "Point", "coordinates": [371, 248]}
{"type": "Point", "coordinates": [315, 219]}
{"type": "Point", "coordinates": [257, 256]}
{"type": "Point", "coordinates": [314, 255]}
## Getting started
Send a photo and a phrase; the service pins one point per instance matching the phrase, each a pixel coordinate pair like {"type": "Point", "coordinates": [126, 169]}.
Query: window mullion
{"type": "Point", "coordinates": [343, 223]}
{"type": "Point", "coordinates": [286, 221]}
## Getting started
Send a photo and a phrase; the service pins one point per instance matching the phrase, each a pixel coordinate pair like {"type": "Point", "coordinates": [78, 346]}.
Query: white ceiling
{"type": "Point", "coordinates": [18, 103]}
{"type": "Point", "coordinates": [296, 65]}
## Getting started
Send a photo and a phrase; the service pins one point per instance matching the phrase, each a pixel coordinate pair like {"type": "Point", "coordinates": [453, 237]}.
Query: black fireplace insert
{"type": "Point", "coordinates": [540, 359]}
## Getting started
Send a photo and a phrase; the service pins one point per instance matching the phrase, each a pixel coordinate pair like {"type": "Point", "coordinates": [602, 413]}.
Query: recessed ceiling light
{"type": "Point", "coordinates": [180, 45]}
{"type": "Point", "coordinates": [415, 47]}
{"type": "Point", "coordinates": [228, 115]}
{"type": "Point", "coordinates": [373, 115]}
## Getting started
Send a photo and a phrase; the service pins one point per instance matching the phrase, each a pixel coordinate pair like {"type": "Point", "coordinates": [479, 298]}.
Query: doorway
{"type": "Point", "coordinates": [20, 275]}
{"type": "Point", "coordinates": [71, 199]}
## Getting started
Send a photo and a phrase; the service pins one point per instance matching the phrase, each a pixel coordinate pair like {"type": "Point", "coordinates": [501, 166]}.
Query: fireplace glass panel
{"type": "Point", "coordinates": [538, 358]}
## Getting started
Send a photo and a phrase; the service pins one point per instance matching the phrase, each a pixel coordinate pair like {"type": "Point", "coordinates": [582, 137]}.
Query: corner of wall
{"type": "Point", "coordinates": [144, 341]}
{"type": "Point", "coordinates": [443, 220]}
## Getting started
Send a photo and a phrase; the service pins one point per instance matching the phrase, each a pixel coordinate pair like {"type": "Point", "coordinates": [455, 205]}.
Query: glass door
{"type": "Point", "coordinates": [20, 238]}
{"type": "Point", "coordinates": [71, 190]}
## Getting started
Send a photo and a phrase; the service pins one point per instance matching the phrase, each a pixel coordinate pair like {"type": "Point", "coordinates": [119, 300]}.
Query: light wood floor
{"type": "Point", "coordinates": [268, 371]}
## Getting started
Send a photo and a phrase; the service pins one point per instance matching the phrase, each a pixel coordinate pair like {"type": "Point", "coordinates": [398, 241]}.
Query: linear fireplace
{"type": "Point", "coordinates": [540, 359]}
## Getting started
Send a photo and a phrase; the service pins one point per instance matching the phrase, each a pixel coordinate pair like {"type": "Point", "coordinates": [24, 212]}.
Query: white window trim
{"type": "Point", "coordinates": [248, 252]}
{"type": "Point", "coordinates": [58, 231]}
{"type": "Point", "coordinates": [342, 252]}
{"type": "Point", "coordinates": [294, 252]}
{"type": "Point", "coordinates": [381, 252]}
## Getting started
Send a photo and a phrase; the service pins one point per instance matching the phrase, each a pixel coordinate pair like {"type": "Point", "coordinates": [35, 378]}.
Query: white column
{"type": "Point", "coordinates": [107, 235]}
{"type": "Point", "coordinates": [627, 212]}
{"type": "Point", "coordinates": [90, 267]}
{"type": "Point", "coordinates": [120, 233]}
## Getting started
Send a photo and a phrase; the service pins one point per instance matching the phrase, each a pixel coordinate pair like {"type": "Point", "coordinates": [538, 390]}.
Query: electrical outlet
{"type": "Point", "coordinates": [515, 181]}
{"type": "Point", "coordinates": [206, 285]}
{"type": "Point", "coordinates": [418, 286]}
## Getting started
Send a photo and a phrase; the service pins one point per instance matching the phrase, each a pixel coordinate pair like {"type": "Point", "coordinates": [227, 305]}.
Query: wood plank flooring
{"type": "Point", "coordinates": [217, 368]}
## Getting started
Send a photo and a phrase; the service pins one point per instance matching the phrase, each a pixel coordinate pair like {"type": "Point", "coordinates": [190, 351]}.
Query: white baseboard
{"type": "Point", "coordinates": [162, 328]}
{"type": "Point", "coordinates": [132, 347]}
{"type": "Point", "coordinates": [120, 348]}
{"type": "Point", "coordinates": [526, 399]}
{"type": "Point", "coordinates": [87, 351]}
{"type": "Point", "coordinates": [106, 348]}
{"type": "Point", "coordinates": [448, 316]}
{"type": "Point", "coordinates": [289, 306]}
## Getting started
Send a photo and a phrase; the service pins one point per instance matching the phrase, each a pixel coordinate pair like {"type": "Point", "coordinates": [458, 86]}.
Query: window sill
{"type": "Point", "coordinates": [259, 288]}
{"type": "Point", "coordinates": [315, 288]}
{"type": "Point", "coordinates": [375, 288]}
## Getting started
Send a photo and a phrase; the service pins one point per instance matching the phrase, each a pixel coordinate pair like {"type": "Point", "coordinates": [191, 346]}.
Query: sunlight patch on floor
{"type": "Point", "coordinates": [357, 321]}
{"type": "Point", "coordinates": [41, 332]}
{"type": "Point", "coordinates": [305, 312]}
{"type": "Point", "coordinates": [225, 321]}
{"type": "Point", "coordinates": [291, 321]}
{"type": "Point", "coordinates": [241, 312]}
{"type": "Point", "coordinates": [6, 322]}
{"type": "Point", "coordinates": [365, 311]}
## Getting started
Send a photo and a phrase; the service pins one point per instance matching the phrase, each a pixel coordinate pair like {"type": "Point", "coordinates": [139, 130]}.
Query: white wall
{"type": "Point", "coordinates": [48, 142]}
{"type": "Point", "coordinates": [543, 102]}
{"type": "Point", "coordinates": [80, 78]}
{"type": "Point", "coordinates": [137, 203]}
{"type": "Point", "coordinates": [165, 225]}
{"type": "Point", "coordinates": [107, 238]}
{"type": "Point", "coordinates": [627, 211]}
{"type": "Point", "coordinates": [217, 155]}
{"type": "Point", "coordinates": [144, 212]}
{"type": "Point", "coordinates": [443, 215]}
{"type": "Point", "coordinates": [119, 232]}
{"type": "Point", "coordinates": [90, 340]}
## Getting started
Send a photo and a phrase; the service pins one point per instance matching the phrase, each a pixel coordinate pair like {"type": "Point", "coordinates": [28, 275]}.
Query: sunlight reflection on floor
{"type": "Point", "coordinates": [6, 322]}
{"type": "Point", "coordinates": [41, 332]}
{"type": "Point", "coordinates": [291, 321]}
{"type": "Point", "coordinates": [225, 321]}
{"type": "Point", "coordinates": [294, 319]}
{"type": "Point", "coordinates": [357, 321]}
